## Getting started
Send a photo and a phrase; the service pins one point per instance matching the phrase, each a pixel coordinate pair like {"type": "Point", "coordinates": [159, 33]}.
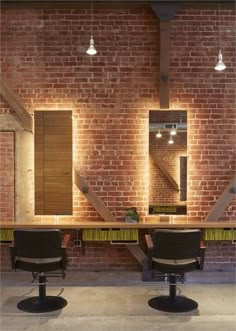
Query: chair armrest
{"type": "Point", "coordinates": [202, 245]}
{"type": "Point", "coordinates": [12, 254]}
{"type": "Point", "coordinates": [202, 255]}
{"type": "Point", "coordinates": [149, 244]}
{"type": "Point", "coordinates": [65, 241]}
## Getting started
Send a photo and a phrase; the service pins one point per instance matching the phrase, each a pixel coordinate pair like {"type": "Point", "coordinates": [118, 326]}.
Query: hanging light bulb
{"type": "Point", "coordinates": [173, 131]}
{"type": "Point", "coordinates": [91, 50]}
{"type": "Point", "coordinates": [170, 141]}
{"type": "Point", "coordinates": [159, 134]}
{"type": "Point", "coordinates": [220, 64]}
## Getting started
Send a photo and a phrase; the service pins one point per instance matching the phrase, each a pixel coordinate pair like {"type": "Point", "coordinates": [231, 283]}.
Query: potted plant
{"type": "Point", "coordinates": [132, 215]}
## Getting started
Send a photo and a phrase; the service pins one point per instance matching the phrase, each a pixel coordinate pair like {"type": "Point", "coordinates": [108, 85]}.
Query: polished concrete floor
{"type": "Point", "coordinates": [118, 301]}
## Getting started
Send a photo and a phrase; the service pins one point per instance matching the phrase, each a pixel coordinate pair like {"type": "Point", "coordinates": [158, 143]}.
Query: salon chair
{"type": "Point", "coordinates": [43, 253]}
{"type": "Point", "coordinates": [173, 253]}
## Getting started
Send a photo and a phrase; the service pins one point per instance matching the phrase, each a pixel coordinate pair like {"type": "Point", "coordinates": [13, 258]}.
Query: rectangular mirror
{"type": "Point", "coordinates": [168, 162]}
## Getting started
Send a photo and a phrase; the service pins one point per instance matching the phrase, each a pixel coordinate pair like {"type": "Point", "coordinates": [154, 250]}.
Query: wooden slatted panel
{"type": "Point", "coordinates": [53, 163]}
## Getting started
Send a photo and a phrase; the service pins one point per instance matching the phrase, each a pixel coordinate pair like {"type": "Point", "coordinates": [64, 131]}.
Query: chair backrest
{"type": "Point", "coordinates": [176, 244]}
{"type": "Point", "coordinates": [38, 243]}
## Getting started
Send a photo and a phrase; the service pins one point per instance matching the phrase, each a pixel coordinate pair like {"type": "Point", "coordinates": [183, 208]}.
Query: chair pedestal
{"type": "Point", "coordinates": [42, 303]}
{"type": "Point", "coordinates": [173, 303]}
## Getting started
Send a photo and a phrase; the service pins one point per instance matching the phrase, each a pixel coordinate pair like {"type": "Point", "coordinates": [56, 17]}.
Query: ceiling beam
{"type": "Point", "coordinates": [120, 4]}
{"type": "Point", "coordinates": [125, 1]}
{"type": "Point", "coordinates": [165, 12]}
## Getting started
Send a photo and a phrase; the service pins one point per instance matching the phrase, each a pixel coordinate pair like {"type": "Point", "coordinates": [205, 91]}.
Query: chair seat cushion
{"type": "Point", "coordinates": [174, 266]}
{"type": "Point", "coordinates": [174, 262]}
{"type": "Point", "coordinates": [38, 261]}
{"type": "Point", "coordinates": [38, 265]}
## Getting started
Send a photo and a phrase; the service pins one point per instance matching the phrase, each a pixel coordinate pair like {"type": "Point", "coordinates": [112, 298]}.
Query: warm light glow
{"type": "Point", "coordinates": [173, 132]}
{"type": "Point", "coordinates": [159, 135]}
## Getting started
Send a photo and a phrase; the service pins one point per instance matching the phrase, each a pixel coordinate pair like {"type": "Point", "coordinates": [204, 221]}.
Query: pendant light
{"type": "Point", "coordinates": [91, 50]}
{"type": "Point", "coordinates": [170, 141]}
{"type": "Point", "coordinates": [220, 64]}
{"type": "Point", "coordinates": [159, 134]}
{"type": "Point", "coordinates": [173, 131]}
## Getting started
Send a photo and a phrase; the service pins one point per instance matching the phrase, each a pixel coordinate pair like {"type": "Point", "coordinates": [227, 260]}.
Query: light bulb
{"type": "Point", "coordinates": [220, 64]}
{"type": "Point", "coordinates": [173, 132]}
{"type": "Point", "coordinates": [159, 135]}
{"type": "Point", "coordinates": [91, 50]}
{"type": "Point", "coordinates": [170, 141]}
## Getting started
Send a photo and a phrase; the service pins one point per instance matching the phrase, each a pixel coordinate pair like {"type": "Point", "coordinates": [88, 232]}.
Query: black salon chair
{"type": "Point", "coordinates": [44, 254]}
{"type": "Point", "coordinates": [173, 253]}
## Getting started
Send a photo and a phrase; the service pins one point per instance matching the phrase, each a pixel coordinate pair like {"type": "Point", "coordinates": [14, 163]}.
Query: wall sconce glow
{"type": "Point", "coordinates": [220, 64]}
{"type": "Point", "coordinates": [159, 135]}
{"type": "Point", "coordinates": [170, 141]}
{"type": "Point", "coordinates": [91, 50]}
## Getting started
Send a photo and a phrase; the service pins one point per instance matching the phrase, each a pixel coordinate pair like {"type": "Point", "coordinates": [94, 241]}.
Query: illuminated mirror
{"type": "Point", "coordinates": [168, 162]}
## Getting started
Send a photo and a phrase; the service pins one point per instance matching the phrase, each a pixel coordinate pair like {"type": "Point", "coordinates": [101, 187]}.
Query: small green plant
{"type": "Point", "coordinates": [132, 214]}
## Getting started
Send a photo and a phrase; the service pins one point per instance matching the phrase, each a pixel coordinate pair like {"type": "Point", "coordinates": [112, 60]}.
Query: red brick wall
{"type": "Point", "coordinates": [220, 256]}
{"type": "Point", "coordinates": [44, 62]}
{"type": "Point", "coordinates": [7, 200]}
{"type": "Point", "coordinates": [209, 97]}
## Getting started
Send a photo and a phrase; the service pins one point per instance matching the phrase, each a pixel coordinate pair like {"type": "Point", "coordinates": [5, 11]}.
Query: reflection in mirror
{"type": "Point", "coordinates": [167, 162]}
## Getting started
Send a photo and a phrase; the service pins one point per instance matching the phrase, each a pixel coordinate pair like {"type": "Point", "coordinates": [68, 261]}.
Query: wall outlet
{"type": "Point", "coordinates": [77, 243]}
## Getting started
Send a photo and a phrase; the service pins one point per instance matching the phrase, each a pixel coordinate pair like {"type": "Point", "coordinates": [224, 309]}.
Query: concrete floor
{"type": "Point", "coordinates": [113, 301]}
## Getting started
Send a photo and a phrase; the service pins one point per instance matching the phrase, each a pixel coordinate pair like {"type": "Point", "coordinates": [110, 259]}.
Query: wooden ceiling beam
{"type": "Point", "coordinates": [165, 12]}
{"type": "Point", "coordinates": [120, 4]}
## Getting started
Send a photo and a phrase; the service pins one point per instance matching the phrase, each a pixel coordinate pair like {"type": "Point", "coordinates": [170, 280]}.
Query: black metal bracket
{"type": "Point", "coordinates": [85, 190]}
{"type": "Point", "coordinates": [165, 11]}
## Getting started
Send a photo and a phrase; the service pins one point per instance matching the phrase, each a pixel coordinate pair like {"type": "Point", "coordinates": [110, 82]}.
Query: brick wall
{"type": "Point", "coordinates": [209, 97]}
{"type": "Point", "coordinates": [44, 62]}
{"type": "Point", "coordinates": [7, 200]}
{"type": "Point", "coordinates": [220, 256]}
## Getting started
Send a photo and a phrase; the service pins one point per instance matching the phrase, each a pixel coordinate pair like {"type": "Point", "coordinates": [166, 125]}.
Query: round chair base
{"type": "Point", "coordinates": [50, 303]}
{"type": "Point", "coordinates": [179, 305]}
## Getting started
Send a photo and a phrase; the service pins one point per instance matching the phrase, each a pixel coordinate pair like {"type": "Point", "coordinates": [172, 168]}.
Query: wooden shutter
{"type": "Point", "coordinates": [53, 162]}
